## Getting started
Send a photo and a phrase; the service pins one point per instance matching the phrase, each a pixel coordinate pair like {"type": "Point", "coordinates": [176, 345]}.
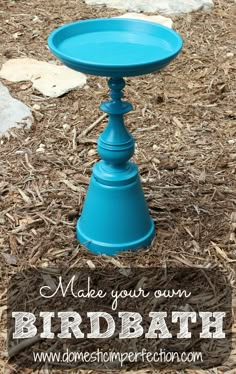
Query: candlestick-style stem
{"type": "Point", "coordinates": [116, 145]}
{"type": "Point", "coordinates": [115, 215]}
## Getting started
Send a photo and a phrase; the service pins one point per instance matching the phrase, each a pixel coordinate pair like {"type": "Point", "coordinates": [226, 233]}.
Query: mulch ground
{"type": "Point", "coordinates": [184, 124]}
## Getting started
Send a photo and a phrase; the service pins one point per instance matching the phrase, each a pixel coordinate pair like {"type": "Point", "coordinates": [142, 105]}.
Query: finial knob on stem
{"type": "Point", "coordinates": [116, 144]}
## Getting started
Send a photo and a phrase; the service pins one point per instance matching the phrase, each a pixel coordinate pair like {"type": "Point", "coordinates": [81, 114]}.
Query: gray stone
{"type": "Point", "coordinates": [157, 19]}
{"type": "Point", "coordinates": [162, 6]}
{"type": "Point", "coordinates": [50, 79]}
{"type": "Point", "coordinates": [13, 113]}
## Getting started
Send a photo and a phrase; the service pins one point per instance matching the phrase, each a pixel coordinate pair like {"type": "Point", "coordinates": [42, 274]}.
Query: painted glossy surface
{"type": "Point", "coordinates": [115, 218]}
{"type": "Point", "coordinates": [115, 47]}
{"type": "Point", "coordinates": [115, 215]}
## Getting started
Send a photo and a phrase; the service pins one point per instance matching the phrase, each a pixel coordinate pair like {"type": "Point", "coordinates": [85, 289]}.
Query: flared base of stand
{"type": "Point", "coordinates": [115, 218]}
{"type": "Point", "coordinates": [111, 249]}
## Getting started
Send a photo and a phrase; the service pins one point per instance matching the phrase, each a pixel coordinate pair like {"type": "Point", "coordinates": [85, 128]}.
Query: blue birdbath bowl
{"type": "Point", "coordinates": [115, 215]}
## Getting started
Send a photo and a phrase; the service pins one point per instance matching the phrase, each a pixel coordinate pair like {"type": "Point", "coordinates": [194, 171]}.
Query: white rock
{"type": "Point", "coordinates": [66, 127]}
{"type": "Point", "coordinates": [162, 6]}
{"type": "Point", "coordinates": [36, 19]}
{"type": "Point", "coordinates": [13, 113]}
{"type": "Point", "coordinates": [36, 107]}
{"type": "Point", "coordinates": [92, 152]}
{"type": "Point", "coordinates": [158, 19]}
{"type": "Point", "coordinates": [50, 79]}
{"type": "Point", "coordinates": [41, 148]}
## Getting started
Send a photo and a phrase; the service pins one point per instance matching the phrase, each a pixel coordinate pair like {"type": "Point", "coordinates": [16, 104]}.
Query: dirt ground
{"type": "Point", "coordinates": [184, 124]}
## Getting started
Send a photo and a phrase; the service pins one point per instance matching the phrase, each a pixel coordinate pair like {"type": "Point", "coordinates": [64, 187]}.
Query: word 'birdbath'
{"type": "Point", "coordinates": [115, 215]}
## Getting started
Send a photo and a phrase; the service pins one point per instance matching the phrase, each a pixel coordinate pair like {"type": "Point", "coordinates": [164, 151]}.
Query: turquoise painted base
{"type": "Point", "coordinates": [115, 218]}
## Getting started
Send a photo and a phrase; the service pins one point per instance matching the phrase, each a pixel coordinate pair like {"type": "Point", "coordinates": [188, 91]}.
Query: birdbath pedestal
{"type": "Point", "coordinates": [115, 215]}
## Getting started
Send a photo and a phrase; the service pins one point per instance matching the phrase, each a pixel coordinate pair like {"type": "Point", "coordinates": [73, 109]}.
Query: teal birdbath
{"type": "Point", "coordinates": [115, 215]}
